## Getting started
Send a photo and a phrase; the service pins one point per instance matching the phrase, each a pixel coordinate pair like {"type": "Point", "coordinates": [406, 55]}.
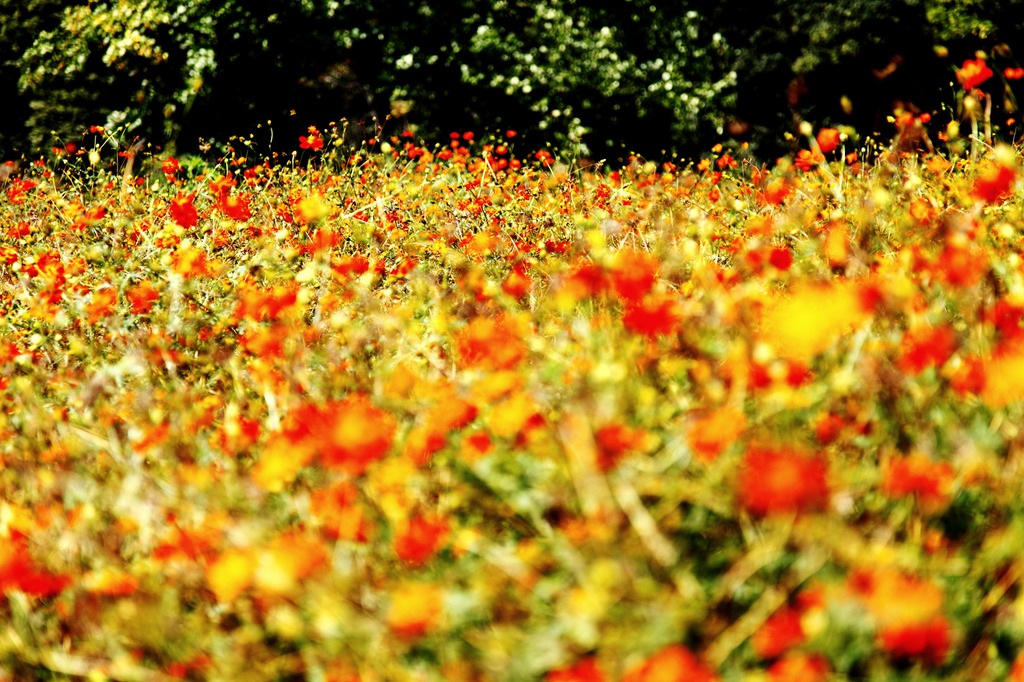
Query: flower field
{"type": "Point", "coordinates": [469, 413]}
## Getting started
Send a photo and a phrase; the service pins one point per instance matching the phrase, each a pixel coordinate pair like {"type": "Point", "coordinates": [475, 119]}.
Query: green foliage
{"type": "Point", "coordinates": [598, 79]}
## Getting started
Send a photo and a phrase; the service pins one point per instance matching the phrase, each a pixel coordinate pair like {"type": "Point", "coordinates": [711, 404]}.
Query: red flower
{"type": "Point", "coordinates": [973, 73]}
{"type": "Point", "coordinates": [586, 670]}
{"type": "Point", "coordinates": [170, 167]}
{"type": "Point", "coordinates": [780, 633]}
{"type": "Point", "coordinates": [931, 482]}
{"type": "Point", "coordinates": [633, 273]}
{"type": "Point", "coordinates": [616, 440]}
{"type": "Point", "coordinates": [183, 211]}
{"type": "Point", "coordinates": [929, 641]}
{"type": "Point", "coordinates": [1013, 74]}
{"type": "Point", "coordinates": [994, 184]}
{"type": "Point", "coordinates": [312, 141]}
{"type": "Point", "coordinates": [420, 539]}
{"type": "Point", "coordinates": [780, 258]}
{"type": "Point", "coordinates": [654, 316]}
{"type": "Point", "coordinates": [782, 481]}
{"type": "Point", "coordinates": [925, 347]}
{"type": "Point", "coordinates": [235, 207]}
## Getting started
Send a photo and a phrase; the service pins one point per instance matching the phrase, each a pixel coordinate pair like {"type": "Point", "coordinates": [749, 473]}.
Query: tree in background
{"type": "Point", "coordinates": [596, 79]}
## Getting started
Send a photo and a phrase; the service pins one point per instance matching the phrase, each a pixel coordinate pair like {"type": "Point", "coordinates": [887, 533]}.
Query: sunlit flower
{"type": "Point", "coordinates": [230, 574]}
{"type": "Point", "coordinates": [351, 433]}
{"type": "Point", "coordinates": [141, 297]}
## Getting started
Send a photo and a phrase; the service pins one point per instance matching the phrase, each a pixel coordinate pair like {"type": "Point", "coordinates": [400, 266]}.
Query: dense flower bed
{"type": "Point", "coordinates": [410, 414]}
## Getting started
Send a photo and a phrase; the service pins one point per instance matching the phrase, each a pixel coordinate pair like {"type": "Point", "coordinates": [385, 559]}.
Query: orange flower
{"type": "Point", "coordinates": [837, 245]}
{"type": "Point", "coordinates": [781, 481]}
{"type": "Point", "coordinates": [969, 377]}
{"type": "Point", "coordinates": [141, 297]}
{"type": "Point", "coordinates": [828, 139]}
{"type": "Point", "coordinates": [1004, 377]}
{"type": "Point", "coordinates": [799, 666]}
{"type": "Point", "coordinates": [806, 159]}
{"type": "Point", "coordinates": [189, 261]}
{"type": "Point", "coordinates": [17, 572]}
{"type": "Point", "coordinates": [351, 433]}
{"type": "Point", "coordinates": [338, 510]}
{"type": "Point", "coordinates": [776, 192]}
{"type": "Point", "coordinates": [490, 343]}
{"type": "Point", "coordinates": [929, 641]}
{"type": "Point", "coordinates": [961, 265]}
{"type": "Point", "coordinates": [517, 283]}
{"type": "Point", "coordinates": [674, 662]}
{"type": "Point", "coordinates": [931, 482]}
{"type": "Point", "coordinates": [908, 611]}
{"type": "Point", "coordinates": [281, 460]}
{"type": "Point", "coordinates": [102, 304]}
{"type": "Point", "coordinates": [415, 609]}
{"type": "Point", "coordinates": [709, 435]}
{"type": "Point", "coordinates": [973, 73]}
{"type": "Point", "coordinates": [422, 442]}
{"type": "Point", "coordinates": [260, 304]}
{"type": "Point", "coordinates": [110, 582]}
{"type": "Point", "coordinates": [1017, 670]}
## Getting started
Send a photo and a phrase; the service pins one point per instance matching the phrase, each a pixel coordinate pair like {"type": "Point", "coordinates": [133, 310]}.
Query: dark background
{"type": "Point", "coordinates": [219, 69]}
